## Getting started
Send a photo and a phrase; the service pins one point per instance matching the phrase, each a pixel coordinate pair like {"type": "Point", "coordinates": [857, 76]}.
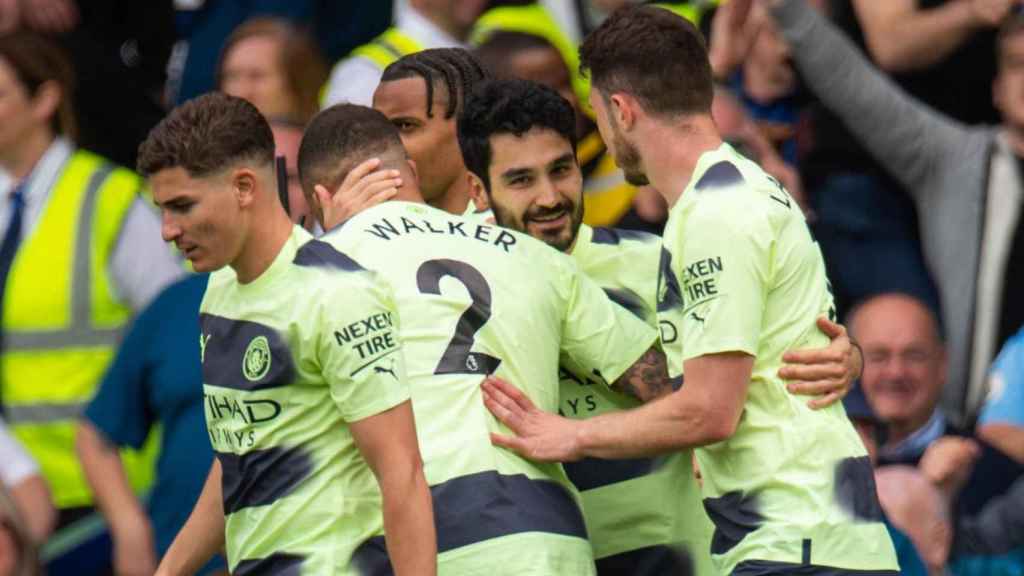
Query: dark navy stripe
{"type": "Point", "coordinates": [855, 490]}
{"type": "Point", "coordinates": [670, 297]}
{"type": "Point", "coordinates": [770, 568]}
{"type": "Point", "coordinates": [273, 565]}
{"type": "Point", "coordinates": [224, 358]}
{"type": "Point", "coordinates": [616, 235]}
{"type": "Point", "coordinates": [805, 552]}
{"type": "Point", "coordinates": [735, 515]}
{"type": "Point", "coordinates": [487, 505]}
{"type": "Point", "coordinates": [371, 558]}
{"type": "Point", "coordinates": [322, 255]}
{"type": "Point", "coordinates": [591, 473]}
{"type": "Point", "coordinates": [650, 561]}
{"type": "Point", "coordinates": [628, 300]}
{"type": "Point", "coordinates": [720, 175]}
{"type": "Point", "coordinates": [261, 477]}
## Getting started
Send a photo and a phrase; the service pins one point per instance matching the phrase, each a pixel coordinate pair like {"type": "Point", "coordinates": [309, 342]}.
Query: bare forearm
{"type": "Point", "coordinates": [32, 498]}
{"type": "Point", "coordinates": [409, 526]}
{"type": "Point", "coordinates": [665, 425]}
{"type": "Point", "coordinates": [917, 39]}
{"type": "Point", "coordinates": [105, 473]}
{"type": "Point", "coordinates": [202, 535]}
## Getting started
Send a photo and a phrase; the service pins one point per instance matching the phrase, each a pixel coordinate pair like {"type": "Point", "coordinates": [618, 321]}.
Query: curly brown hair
{"type": "Point", "coordinates": [654, 55]}
{"type": "Point", "coordinates": [207, 135]}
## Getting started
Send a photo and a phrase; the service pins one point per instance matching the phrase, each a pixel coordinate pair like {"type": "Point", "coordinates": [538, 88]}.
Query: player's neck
{"type": "Point", "coordinates": [264, 243]}
{"type": "Point", "coordinates": [21, 159]}
{"type": "Point", "coordinates": [456, 198]}
{"type": "Point", "coordinates": [671, 153]}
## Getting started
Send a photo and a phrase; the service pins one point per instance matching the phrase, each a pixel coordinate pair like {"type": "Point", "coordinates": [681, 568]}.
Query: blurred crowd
{"type": "Point", "coordinates": [897, 124]}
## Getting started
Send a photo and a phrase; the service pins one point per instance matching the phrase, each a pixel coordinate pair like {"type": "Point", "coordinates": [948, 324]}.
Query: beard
{"type": "Point", "coordinates": [561, 239]}
{"type": "Point", "coordinates": [627, 156]}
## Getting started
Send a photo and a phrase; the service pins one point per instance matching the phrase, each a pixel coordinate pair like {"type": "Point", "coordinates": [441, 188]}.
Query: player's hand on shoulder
{"type": "Point", "coordinates": [538, 435]}
{"type": "Point", "coordinates": [825, 373]}
{"type": "Point", "coordinates": [365, 186]}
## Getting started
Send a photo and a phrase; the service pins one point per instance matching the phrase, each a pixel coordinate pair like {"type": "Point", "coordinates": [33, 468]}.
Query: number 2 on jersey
{"type": "Point", "coordinates": [459, 358]}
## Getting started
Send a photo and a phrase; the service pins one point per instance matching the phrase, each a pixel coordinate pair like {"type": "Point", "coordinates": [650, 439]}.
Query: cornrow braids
{"type": "Point", "coordinates": [457, 68]}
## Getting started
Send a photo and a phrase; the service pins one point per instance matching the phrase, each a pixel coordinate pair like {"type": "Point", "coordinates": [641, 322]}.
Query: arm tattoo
{"type": "Point", "coordinates": [647, 378]}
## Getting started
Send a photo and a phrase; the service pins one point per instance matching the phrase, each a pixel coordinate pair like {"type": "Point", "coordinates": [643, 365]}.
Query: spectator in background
{"type": "Point", "coordinates": [966, 182]}
{"type": "Point", "coordinates": [940, 51]}
{"type": "Point", "coordinates": [904, 372]}
{"type": "Point", "coordinates": [155, 380]}
{"type": "Point", "coordinates": [1002, 417]}
{"type": "Point", "coordinates": [204, 25]}
{"type": "Point", "coordinates": [80, 252]}
{"type": "Point", "coordinates": [754, 62]}
{"type": "Point", "coordinates": [275, 66]}
{"type": "Point", "coordinates": [419, 25]}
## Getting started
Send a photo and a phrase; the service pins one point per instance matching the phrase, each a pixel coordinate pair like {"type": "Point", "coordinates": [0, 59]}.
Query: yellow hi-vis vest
{"type": "Point", "coordinates": [391, 45]}
{"type": "Point", "coordinates": [535, 20]}
{"type": "Point", "coordinates": [62, 323]}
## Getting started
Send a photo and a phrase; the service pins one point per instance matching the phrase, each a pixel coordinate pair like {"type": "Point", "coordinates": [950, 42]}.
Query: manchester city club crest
{"type": "Point", "coordinates": [256, 362]}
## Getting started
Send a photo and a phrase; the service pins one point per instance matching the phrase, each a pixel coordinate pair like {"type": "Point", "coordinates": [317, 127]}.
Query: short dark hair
{"type": "Point", "coordinates": [509, 107]}
{"type": "Point", "coordinates": [653, 54]}
{"type": "Point", "coordinates": [37, 60]}
{"type": "Point", "coordinates": [206, 135]}
{"type": "Point", "coordinates": [495, 52]}
{"type": "Point", "coordinates": [340, 137]}
{"type": "Point", "coordinates": [454, 68]}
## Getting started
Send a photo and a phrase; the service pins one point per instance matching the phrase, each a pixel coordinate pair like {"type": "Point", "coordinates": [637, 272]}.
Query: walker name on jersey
{"type": "Point", "coordinates": [369, 336]}
{"type": "Point", "coordinates": [230, 421]}
{"type": "Point", "coordinates": [386, 229]}
{"type": "Point", "coordinates": [578, 404]}
{"type": "Point", "coordinates": [699, 280]}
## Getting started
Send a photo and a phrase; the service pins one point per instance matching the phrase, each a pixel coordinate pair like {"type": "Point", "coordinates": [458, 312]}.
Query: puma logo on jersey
{"type": "Point", "coordinates": [380, 370]}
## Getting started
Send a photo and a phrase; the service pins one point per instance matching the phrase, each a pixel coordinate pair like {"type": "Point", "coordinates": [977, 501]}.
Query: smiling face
{"type": "Point", "coordinates": [536, 186]}
{"type": "Point", "coordinates": [430, 140]}
{"type": "Point", "coordinates": [904, 361]}
{"type": "Point", "coordinates": [202, 216]}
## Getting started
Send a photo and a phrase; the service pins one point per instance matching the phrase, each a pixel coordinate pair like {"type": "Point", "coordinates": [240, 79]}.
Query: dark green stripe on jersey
{"type": "Point", "coordinates": [261, 477]}
{"type": "Point", "coordinates": [486, 505]}
{"type": "Point", "coordinates": [273, 565]}
{"type": "Point", "coordinates": [616, 235]}
{"type": "Point", "coordinates": [735, 515]}
{"type": "Point", "coordinates": [243, 355]}
{"type": "Point", "coordinates": [855, 489]}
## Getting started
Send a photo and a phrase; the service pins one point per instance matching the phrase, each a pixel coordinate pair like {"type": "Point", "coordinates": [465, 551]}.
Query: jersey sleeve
{"type": "Point", "coordinates": [600, 337]}
{"type": "Point", "coordinates": [1005, 402]}
{"type": "Point", "coordinates": [359, 349]}
{"type": "Point", "coordinates": [723, 273]}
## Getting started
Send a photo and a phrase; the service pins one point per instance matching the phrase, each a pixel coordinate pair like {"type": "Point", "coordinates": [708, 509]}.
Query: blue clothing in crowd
{"type": "Point", "coordinates": [1005, 404]}
{"type": "Point", "coordinates": [156, 379]}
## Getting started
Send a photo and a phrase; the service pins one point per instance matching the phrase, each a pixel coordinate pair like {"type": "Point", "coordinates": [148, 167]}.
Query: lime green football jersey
{"type": "Point", "coordinates": [642, 504]}
{"type": "Point", "coordinates": [793, 486]}
{"type": "Point", "coordinates": [285, 369]}
{"type": "Point", "coordinates": [475, 300]}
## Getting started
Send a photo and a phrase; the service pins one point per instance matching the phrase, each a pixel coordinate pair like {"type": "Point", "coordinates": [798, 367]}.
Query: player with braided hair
{"type": "Point", "coordinates": [421, 94]}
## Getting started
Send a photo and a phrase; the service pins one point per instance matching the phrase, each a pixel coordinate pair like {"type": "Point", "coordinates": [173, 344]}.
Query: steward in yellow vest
{"type": "Point", "coordinates": [63, 302]}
